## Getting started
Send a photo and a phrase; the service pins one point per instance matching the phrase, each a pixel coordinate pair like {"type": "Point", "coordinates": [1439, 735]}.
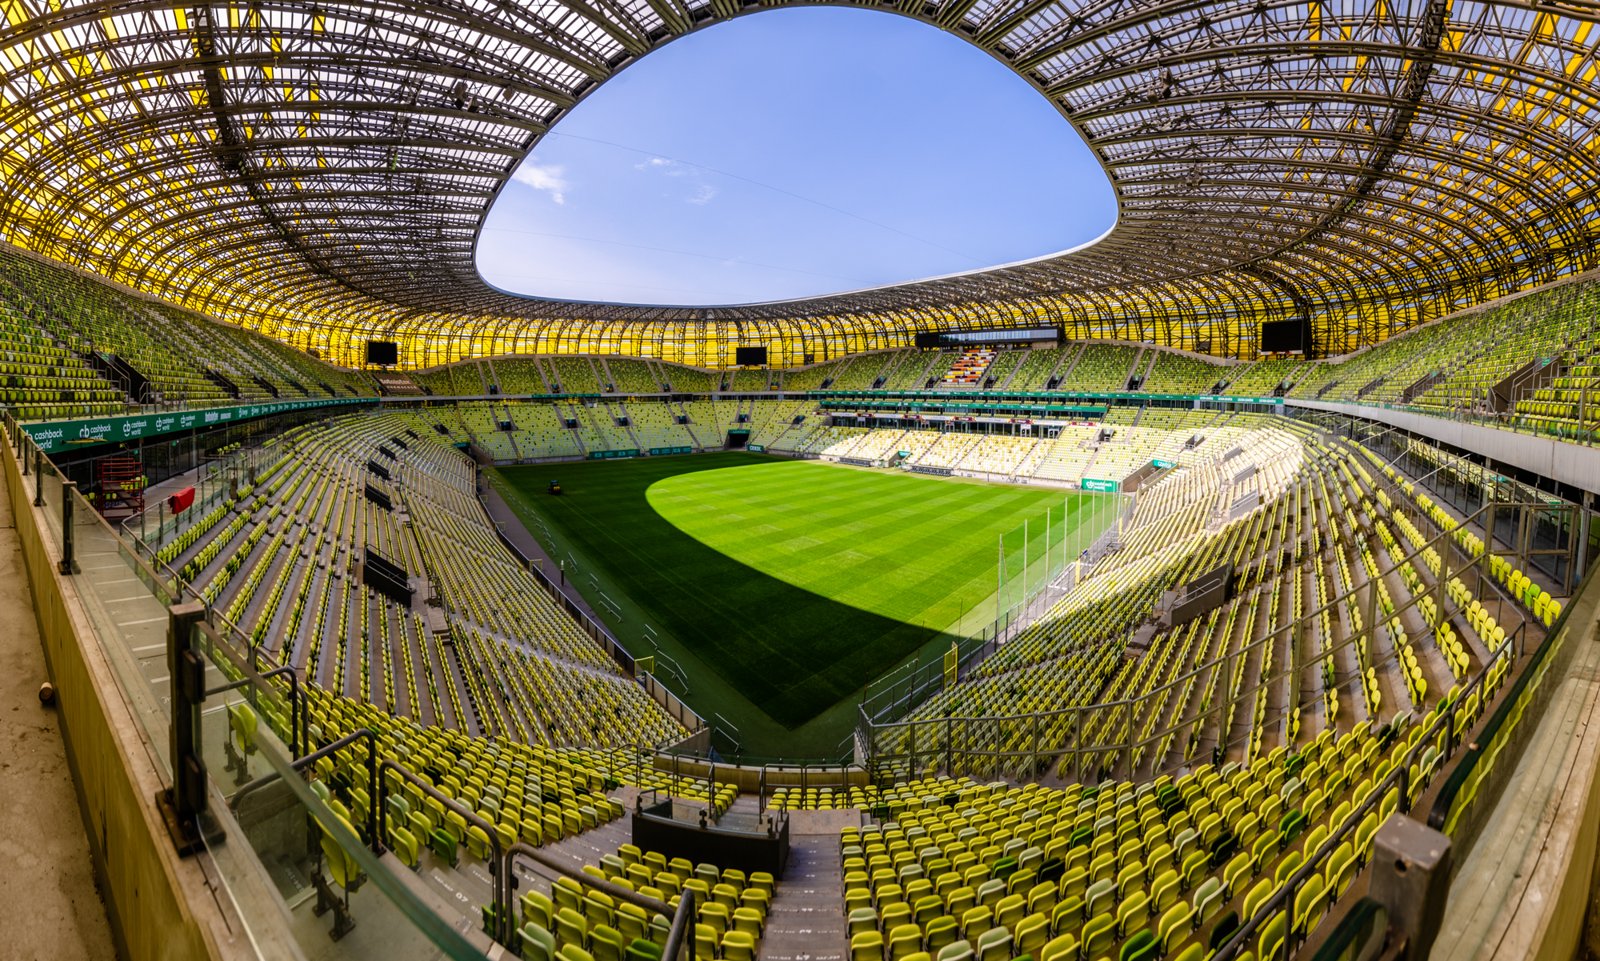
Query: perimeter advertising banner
{"type": "Point", "coordinates": [58, 435]}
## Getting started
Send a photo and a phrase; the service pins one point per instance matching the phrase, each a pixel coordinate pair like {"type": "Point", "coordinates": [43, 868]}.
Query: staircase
{"type": "Point", "coordinates": [632, 437]}
{"type": "Point", "coordinates": [805, 922]}
{"type": "Point", "coordinates": [608, 382]}
{"type": "Point", "coordinates": [1155, 358]}
{"type": "Point", "coordinates": [265, 384]}
{"type": "Point", "coordinates": [1536, 373]}
{"type": "Point", "coordinates": [601, 373]}
{"type": "Point", "coordinates": [689, 425]}
{"type": "Point", "coordinates": [1058, 376]}
{"type": "Point", "coordinates": [122, 374]}
{"type": "Point", "coordinates": [228, 386]}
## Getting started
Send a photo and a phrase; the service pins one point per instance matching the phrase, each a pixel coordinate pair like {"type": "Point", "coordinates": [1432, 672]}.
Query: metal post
{"type": "Point", "coordinates": [38, 477]}
{"type": "Point", "coordinates": [1045, 554]}
{"type": "Point", "coordinates": [183, 803]}
{"type": "Point", "coordinates": [1411, 878]}
{"type": "Point", "coordinates": [1064, 529]}
{"type": "Point", "coordinates": [1026, 554]}
{"type": "Point", "coordinates": [1034, 764]}
{"type": "Point", "coordinates": [66, 564]}
{"type": "Point", "coordinates": [949, 747]}
{"type": "Point", "coordinates": [1581, 566]}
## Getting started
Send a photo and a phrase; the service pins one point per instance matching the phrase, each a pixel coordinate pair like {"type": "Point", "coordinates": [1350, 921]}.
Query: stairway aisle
{"type": "Point", "coordinates": [807, 920]}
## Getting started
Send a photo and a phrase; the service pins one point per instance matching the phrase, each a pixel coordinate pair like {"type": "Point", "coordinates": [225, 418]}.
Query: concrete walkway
{"type": "Point", "coordinates": [512, 527]}
{"type": "Point", "coordinates": [51, 906]}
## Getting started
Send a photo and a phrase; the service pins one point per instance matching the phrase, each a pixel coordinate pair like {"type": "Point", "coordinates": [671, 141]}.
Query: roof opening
{"type": "Point", "coordinates": [794, 153]}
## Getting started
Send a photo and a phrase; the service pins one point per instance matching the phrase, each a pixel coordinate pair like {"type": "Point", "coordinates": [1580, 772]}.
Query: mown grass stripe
{"type": "Point", "coordinates": [796, 581]}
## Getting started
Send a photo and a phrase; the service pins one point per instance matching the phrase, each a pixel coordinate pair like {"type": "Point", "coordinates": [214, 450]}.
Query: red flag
{"type": "Point", "coordinates": [180, 501]}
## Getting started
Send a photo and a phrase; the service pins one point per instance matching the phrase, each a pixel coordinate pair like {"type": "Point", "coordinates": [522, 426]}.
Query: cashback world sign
{"type": "Point", "coordinates": [59, 435]}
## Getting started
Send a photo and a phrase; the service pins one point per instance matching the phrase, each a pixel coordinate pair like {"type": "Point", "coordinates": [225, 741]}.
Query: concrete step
{"type": "Point", "coordinates": [806, 922]}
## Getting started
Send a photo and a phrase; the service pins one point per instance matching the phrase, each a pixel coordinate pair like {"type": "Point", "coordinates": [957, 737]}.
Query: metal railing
{"type": "Point", "coordinates": [269, 815]}
{"type": "Point", "coordinates": [982, 746]}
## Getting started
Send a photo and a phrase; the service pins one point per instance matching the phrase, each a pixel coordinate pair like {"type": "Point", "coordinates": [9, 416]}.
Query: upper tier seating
{"type": "Point", "coordinates": [518, 375]}
{"type": "Point", "coordinates": [861, 371]}
{"type": "Point", "coordinates": [1264, 377]}
{"type": "Point", "coordinates": [748, 381]}
{"type": "Point", "coordinates": [811, 378]}
{"type": "Point", "coordinates": [1182, 374]}
{"type": "Point", "coordinates": [575, 375]}
{"type": "Point", "coordinates": [40, 379]}
{"type": "Point", "coordinates": [186, 358]}
{"type": "Point", "coordinates": [1101, 368]}
{"type": "Point", "coordinates": [1039, 367]}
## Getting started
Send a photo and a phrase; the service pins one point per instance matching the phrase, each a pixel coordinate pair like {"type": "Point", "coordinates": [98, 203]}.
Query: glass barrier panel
{"type": "Point", "coordinates": [47, 483]}
{"type": "Point", "coordinates": [295, 871]}
{"type": "Point", "coordinates": [129, 618]}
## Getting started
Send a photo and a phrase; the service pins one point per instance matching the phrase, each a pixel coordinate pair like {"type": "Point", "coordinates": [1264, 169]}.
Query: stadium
{"type": "Point", "coordinates": [1218, 589]}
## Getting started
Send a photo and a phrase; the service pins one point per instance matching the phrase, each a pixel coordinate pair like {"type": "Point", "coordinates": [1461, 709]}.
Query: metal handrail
{"type": "Point", "coordinates": [500, 908]}
{"type": "Point", "coordinates": [1399, 777]}
{"type": "Point", "coordinates": [1483, 745]}
{"type": "Point", "coordinates": [374, 840]}
{"type": "Point", "coordinates": [604, 885]}
{"type": "Point", "coordinates": [296, 704]}
{"type": "Point", "coordinates": [1129, 705]}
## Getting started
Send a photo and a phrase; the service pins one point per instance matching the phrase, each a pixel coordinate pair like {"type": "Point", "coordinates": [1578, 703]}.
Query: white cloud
{"type": "Point", "coordinates": [548, 179]}
{"type": "Point", "coordinates": [668, 167]}
{"type": "Point", "coordinates": [702, 194]}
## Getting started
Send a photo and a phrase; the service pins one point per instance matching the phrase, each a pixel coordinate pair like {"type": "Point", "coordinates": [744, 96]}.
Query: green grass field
{"type": "Point", "coordinates": [794, 582]}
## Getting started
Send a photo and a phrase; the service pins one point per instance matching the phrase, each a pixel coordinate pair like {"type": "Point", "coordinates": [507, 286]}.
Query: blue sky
{"type": "Point", "coordinates": [791, 153]}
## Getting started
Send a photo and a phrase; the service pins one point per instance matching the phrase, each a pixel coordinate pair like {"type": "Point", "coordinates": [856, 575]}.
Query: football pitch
{"type": "Point", "coordinates": [782, 587]}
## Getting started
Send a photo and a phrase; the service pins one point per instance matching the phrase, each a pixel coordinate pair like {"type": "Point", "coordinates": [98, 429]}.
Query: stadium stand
{"type": "Point", "coordinates": [1264, 378]}
{"type": "Point", "coordinates": [1103, 367]}
{"type": "Point", "coordinates": [655, 424]}
{"type": "Point", "coordinates": [1000, 370]}
{"type": "Point", "coordinates": [744, 381]}
{"type": "Point", "coordinates": [809, 378]}
{"type": "Point", "coordinates": [518, 375]}
{"type": "Point", "coordinates": [865, 370]}
{"type": "Point", "coordinates": [632, 376]}
{"type": "Point", "coordinates": [513, 659]}
{"type": "Point", "coordinates": [327, 689]}
{"type": "Point", "coordinates": [1173, 373]}
{"type": "Point", "coordinates": [574, 375]}
{"type": "Point", "coordinates": [1158, 781]}
{"type": "Point", "coordinates": [1040, 367]}
{"type": "Point", "coordinates": [66, 327]}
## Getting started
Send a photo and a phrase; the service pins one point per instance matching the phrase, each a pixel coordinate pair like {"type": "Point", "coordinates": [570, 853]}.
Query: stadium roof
{"type": "Point", "coordinates": [315, 165]}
